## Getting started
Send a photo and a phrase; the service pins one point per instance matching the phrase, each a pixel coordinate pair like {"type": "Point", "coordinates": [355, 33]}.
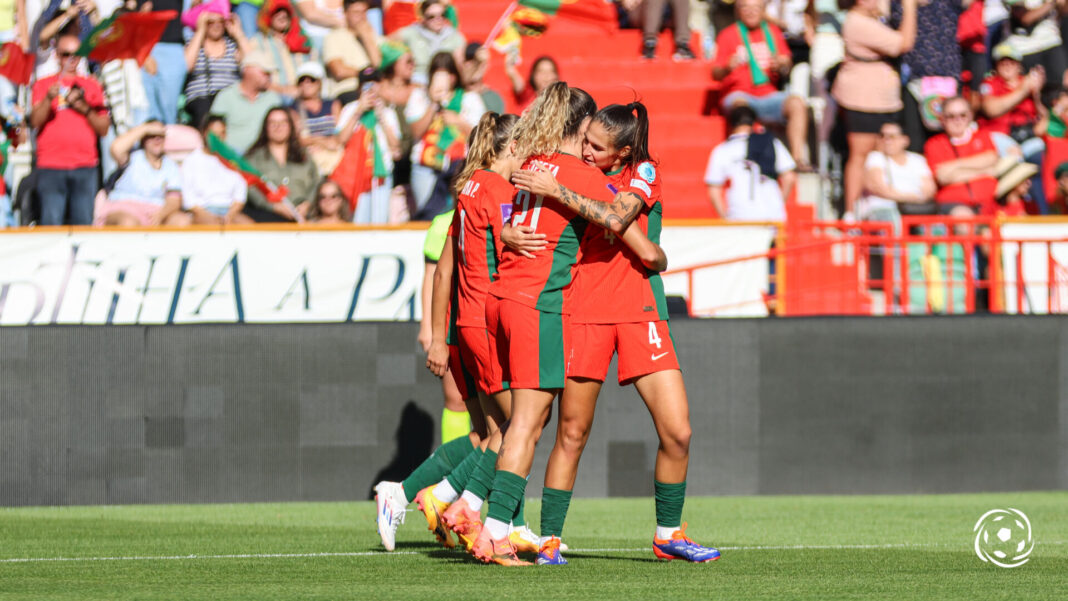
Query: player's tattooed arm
{"type": "Point", "coordinates": [614, 216]}
{"type": "Point", "coordinates": [649, 252]}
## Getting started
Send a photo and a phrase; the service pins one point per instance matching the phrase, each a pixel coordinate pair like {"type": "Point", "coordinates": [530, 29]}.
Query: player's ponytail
{"type": "Point", "coordinates": [541, 127]}
{"type": "Point", "coordinates": [487, 141]}
{"type": "Point", "coordinates": [627, 125]}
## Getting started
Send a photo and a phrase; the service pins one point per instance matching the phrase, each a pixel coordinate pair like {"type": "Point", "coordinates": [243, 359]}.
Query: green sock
{"type": "Point", "coordinates": [519, 519]}
{"type": "Point", "coordinates": [554, 504]}
{"type": "Point", "coordinates": [508, 490]}
{"type": "Point", "coordinates": [481, 480]}
{"type": "Point", "coordinates": [440, 462]}
{"type": "Point", "coordinates": [459, 477]}
{"type": "Point", "coordinates": [669, 501]}
{"type": "Point", "coordinates": [454, 424]}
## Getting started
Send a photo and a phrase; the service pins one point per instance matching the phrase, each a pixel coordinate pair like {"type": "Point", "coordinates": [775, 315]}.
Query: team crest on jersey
{"type": "Point", "coordinates": [506, 212]}
{"type": "Point", "coordinates": [647, 172]}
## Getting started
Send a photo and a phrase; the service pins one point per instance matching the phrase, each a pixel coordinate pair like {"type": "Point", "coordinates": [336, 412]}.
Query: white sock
{"type": "Point", "coordinates": [445, 492]}
{"type": "Point", "coordinates": [497, 528]}
{"type": "Point", "coordinates": [665, 532]}
{"type": "Point", "coordinates": [472, 499]}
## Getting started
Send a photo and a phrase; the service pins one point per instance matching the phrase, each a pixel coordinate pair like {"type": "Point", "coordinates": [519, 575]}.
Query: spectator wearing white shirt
{"type": "Point", "coordinates": [750, 174]}
{"type": "Point", "coordinates": [148, 192]}
{"type": "Point", "coordinates": [896, 181]}
{"type": "Point", "coordinates": [212, 193]}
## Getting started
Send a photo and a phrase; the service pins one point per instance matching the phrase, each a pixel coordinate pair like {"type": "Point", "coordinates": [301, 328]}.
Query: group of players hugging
{"type": "Point", "coordinates": [551, 266]}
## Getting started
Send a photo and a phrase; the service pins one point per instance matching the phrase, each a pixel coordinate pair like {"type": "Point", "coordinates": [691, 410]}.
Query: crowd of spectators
{"type": "Point", "coordinates": [356, 110]}
{"type": "Point", "coordinates": [976, 86]}
{"type": "Point", "coordinates": [379, 96]}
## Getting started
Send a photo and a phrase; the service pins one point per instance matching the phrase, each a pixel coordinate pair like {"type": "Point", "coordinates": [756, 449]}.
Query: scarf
{"type": "Point", "coordinates": [441, 141]}
{"type": "Point", "coordinates": [759, 76]}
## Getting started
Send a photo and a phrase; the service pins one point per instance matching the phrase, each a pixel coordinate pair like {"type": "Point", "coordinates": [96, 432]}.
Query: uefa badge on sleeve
{"type": "Point", "coordinates": [1003, 538]}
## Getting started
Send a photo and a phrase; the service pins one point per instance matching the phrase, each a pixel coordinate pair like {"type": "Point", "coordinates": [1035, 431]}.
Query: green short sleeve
{"type": "Point", "coordinates": [436, 235]}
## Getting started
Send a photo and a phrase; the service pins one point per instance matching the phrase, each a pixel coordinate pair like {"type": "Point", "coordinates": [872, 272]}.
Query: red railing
{"type": "Point", "coordinates": [920, 265]}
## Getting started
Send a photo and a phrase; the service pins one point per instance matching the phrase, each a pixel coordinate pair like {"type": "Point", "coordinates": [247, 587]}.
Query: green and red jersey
{"type": "Point", "coordinates": [611, 285]}
{"type": "Point", "coordinates": [540, 282]}
{"type": "Point", "coordinates": [481, 209]}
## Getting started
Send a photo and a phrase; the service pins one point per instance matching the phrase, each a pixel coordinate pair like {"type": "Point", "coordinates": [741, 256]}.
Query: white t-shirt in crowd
{"type": "Point", "coordinates": [141, 182]}
{"type": "Point", "coordinates": [751, 196]}
{"type": "Point", "coordinates": [1045, 35]}
{"type": "Point", "coordinates": [907, 178]}
{"type": "Point", "coordinates": [210, 185]}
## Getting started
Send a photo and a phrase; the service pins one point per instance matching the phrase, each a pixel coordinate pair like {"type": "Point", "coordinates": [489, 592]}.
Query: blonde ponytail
{"type": "Point", "coordinates": [487, 141]}
{"type": "Point", "coordinates": [479, 149]}
{"type": "Point", "coordinates": [541, 128]}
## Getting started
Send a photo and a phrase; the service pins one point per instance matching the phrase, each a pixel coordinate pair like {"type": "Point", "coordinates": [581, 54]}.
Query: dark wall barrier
{"type": "Point", "coordinates": [217, 413]}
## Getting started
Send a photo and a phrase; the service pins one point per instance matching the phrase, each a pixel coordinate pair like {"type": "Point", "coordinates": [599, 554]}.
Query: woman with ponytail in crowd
{"type": "Point", "coordinates": [483, 194]}
{"type": "Point", "coordinates": [628, 318]}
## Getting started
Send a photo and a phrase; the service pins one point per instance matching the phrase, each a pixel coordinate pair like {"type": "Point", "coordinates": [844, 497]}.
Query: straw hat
{"type": "Point", "coordinates": [1016, 175]}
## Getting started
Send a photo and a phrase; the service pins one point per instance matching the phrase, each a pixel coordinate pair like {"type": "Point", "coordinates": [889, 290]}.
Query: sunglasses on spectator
{"type": "Point", "coordinates": [306, 78]}
{"type": "Point", "coordinates": [62, 54]}
{"type": "Point", "coordinates": [956, 115]}
{"type": "Point", "coordinates": [431, 17]}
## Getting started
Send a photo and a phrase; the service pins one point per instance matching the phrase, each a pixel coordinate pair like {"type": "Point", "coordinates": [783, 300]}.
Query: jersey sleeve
{"type": "Point", "coordinates": [645, 182]}
{"type": "Point", "coordinates": [715, 172]}
{"type": "Point", "coordinates": [436, 235]}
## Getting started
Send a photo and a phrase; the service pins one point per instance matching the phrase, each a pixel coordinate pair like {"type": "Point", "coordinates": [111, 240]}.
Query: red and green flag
{"type": "Point", "coordinates": [126, 35]}
{"type": "Point", "coordinates": [530, 18]}
{"type": "Point", "coordinates": [250, 174]}
{"type": "Point", "coordinates": [16, 65]}
{"type": "Point", "coordinates": [362, 161]}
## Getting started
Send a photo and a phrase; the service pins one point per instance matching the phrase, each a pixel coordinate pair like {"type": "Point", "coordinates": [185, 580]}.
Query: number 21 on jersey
{"type": "Point", "coordinates": [522, 200]}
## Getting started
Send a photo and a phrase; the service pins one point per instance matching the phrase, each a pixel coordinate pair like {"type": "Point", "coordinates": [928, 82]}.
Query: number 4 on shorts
{"type": "Point", "coordinates": [654, 338]}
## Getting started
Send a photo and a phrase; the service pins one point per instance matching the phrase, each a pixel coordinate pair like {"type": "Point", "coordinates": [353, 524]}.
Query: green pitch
{"type": "Point", "coordinates": [889, 547]}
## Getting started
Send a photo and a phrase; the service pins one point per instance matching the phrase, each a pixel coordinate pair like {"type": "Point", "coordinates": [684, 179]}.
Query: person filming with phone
{"type": "Point", "coordinates": [69, 115]}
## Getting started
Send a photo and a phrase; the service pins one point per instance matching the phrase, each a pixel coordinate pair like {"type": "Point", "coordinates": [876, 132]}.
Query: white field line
{"type": "Point", "coordinates": [395, 553]}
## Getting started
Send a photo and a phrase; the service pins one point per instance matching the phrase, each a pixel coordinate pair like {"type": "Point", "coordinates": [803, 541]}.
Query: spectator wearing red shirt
{"type": "Point", "coordinates": [1011, 102]}
{"type": "Point", "coordinates": [751, 58]}
{"type": "Point", "coordinates": [69, 116]}
{"type": "Point", "coordinates": [963, 159]}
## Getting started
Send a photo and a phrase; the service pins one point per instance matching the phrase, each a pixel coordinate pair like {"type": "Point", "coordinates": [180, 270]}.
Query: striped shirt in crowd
{"type": "Point", "coordinates": [209, 75]}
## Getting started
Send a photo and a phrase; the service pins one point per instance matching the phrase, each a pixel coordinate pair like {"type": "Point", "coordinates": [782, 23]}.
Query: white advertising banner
{"type": "Point", "coordinates": [1036, 293]}
{"type": "Point", "coordinates": [108, 277]}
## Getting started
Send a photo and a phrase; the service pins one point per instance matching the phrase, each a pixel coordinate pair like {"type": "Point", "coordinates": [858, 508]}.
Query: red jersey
{"type": "Point", "coordinates": [481, 209]}
{"type": "Point", "coordinates": [540, 282]}
{"type": "Point", "coordinates": [976, 192]}
{"type": "Point", "coordinates": [611, 284]}
{"type": "Point", "coordinates": [67, 141]}
{"type": "Point", "coordinates": [1023, 113]}
{"type": "Point", "coordinates": [729, 43]}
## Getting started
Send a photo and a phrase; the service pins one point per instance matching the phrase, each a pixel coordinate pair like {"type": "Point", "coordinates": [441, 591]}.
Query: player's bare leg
{"type": "Point", "coordinates": [577, 405]}
{"type": "Point", "coordinates": [664, 393]}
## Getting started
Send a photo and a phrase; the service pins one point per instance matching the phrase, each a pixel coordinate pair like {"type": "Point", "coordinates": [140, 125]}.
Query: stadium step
{"type": "Point", "coordinates": [606, 62]}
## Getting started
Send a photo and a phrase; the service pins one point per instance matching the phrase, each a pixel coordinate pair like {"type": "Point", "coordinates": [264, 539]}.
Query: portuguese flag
{"type": "Point", "coordinates": [362, 161]}
{"type": "Point", "coordinates": [530, 18]}
{"type": "Point", "coordinates": [597, 11]}
{"type": "Point", "coordinates": [16, 65]}
{"type": "Point", "coordinates": [236, 162]}
{"type": "Point", "coordinates": [126, 35]}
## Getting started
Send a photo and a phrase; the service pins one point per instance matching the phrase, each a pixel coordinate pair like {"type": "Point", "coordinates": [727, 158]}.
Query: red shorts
{"type": "Point", "coordinates": [465, 380]}
{"type": "Point", "coordinates": [475, 352]}
{"type": "Point", "coordinates": [530, 345]}
{"type": "Point", "coordinates": [644, 347]}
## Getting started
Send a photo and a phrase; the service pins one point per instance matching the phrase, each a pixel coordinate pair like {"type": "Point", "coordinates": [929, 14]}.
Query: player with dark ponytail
{"type": "Point", "coordinates": [628, 318]}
